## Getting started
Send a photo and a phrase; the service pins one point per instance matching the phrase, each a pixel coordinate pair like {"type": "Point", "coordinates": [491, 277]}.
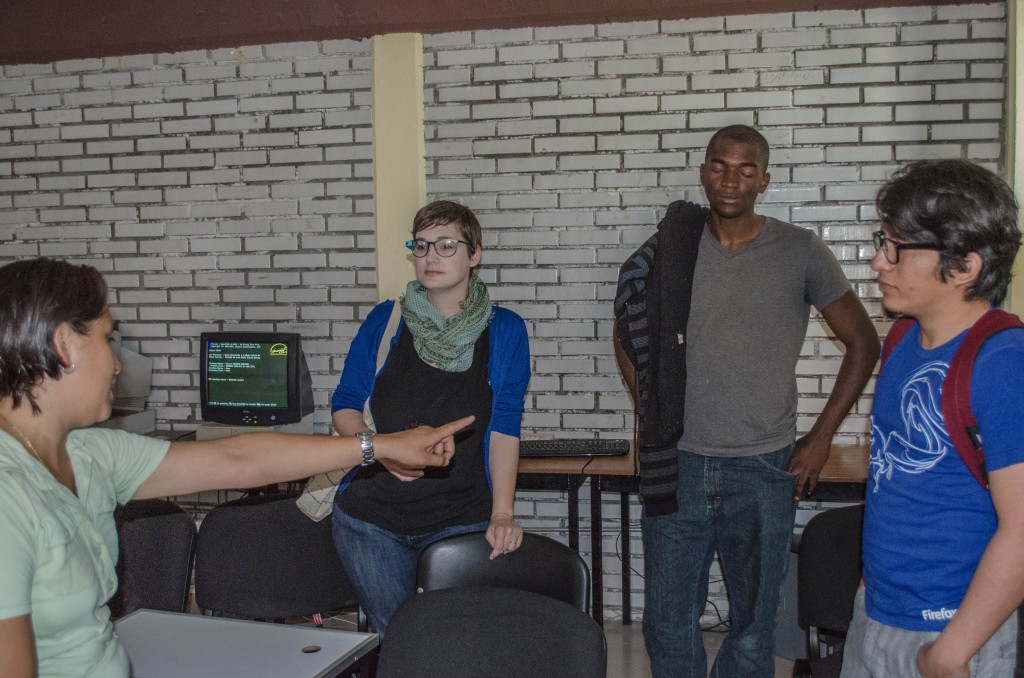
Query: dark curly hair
{"type": "Point", "coordinates": [961, 207]}
{"type": "Point", "coordinates": [36, 297]}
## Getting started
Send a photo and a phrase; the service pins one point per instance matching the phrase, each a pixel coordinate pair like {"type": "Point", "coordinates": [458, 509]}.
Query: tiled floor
{"type": "Point", "coordinates": [627, 657]}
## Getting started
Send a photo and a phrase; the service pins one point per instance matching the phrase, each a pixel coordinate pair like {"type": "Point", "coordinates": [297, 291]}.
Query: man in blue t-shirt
{"type": "Point", "coordinates": [943, 555]}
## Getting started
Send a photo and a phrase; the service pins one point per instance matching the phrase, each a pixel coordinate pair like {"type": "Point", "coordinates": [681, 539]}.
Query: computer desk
{"type": "Point", "coordinates": [179, 645]}
{"type": "Point", "coordinates": [843, 478]}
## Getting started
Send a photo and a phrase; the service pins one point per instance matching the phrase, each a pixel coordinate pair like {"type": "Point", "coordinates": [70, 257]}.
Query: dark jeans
{"type": "Point", "coordinates": [744, 507]}
{"type": "Point", "coordinates": [381, 565]}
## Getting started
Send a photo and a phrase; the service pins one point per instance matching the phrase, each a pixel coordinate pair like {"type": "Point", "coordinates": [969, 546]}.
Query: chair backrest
{"type": "Point", "coordinates": [829, 568]}
{"type": "Point", "coordinates": [484, 632]}
{"type": "Point", "coordinates": [261, 557]}
{"type": "Point", "coordinates": [541, 565]}
{"type": "Point", "coordinates": [157, 541]}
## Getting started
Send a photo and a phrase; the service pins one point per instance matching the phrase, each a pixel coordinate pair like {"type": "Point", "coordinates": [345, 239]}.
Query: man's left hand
{"type": "Point", "coordinates": [930, 665]}
{"type": "Point", "coordinates": [809, 456]}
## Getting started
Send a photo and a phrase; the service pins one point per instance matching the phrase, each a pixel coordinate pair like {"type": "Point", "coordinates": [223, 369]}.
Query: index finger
{"type": "Point", "coordinates": [453, 427]}
{"type": "Point", "coordinates": [803, 483]}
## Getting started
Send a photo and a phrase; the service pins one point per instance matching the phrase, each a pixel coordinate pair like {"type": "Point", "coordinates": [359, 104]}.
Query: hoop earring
{"type": "Point", "coordinates": [69, 369]}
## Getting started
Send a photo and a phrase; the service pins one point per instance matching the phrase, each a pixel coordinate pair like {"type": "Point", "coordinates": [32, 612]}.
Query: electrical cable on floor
{"type": "Point", "coordinates": [722, 624]}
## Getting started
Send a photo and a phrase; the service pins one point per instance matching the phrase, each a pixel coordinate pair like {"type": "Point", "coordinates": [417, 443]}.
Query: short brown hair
{"type": "Point", "coordinates": [442, 212]}
{"type": "Point", "coordinates": [36, 297]}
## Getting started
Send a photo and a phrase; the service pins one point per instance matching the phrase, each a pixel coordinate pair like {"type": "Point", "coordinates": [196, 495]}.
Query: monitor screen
{"type": "Point", "coordinates": [253, 378]}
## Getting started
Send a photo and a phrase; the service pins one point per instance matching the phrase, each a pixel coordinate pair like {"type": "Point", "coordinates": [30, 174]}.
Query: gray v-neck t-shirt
{"type": "Point", "coordinates": [748, 320]}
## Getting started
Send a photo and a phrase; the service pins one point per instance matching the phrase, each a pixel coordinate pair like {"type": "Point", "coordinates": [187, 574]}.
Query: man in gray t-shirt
{"type": "Point", "coordinates": [739, 470]}
{"type": "Point", "coordinates": [748, 320]}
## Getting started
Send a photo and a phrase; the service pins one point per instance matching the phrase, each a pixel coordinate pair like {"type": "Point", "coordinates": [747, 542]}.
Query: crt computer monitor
{"type": "Point", "coordinates": [253, 378]}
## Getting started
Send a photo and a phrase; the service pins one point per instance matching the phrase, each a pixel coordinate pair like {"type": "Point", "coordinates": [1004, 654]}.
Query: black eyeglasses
{"type": "Point", "coordinates": [891, 249]}
{"type": "Point", "coordinates": [445, 247]}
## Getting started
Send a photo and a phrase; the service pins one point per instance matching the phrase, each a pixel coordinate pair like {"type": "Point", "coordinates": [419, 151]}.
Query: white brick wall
{"type": "Point", "coordinates": [234, 187]}
{"type": "Point", "coordinates": [222, 188]}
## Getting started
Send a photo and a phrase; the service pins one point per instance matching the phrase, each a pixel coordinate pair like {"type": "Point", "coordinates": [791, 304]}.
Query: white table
{"type": "Point", "coordinates": [176, 645]}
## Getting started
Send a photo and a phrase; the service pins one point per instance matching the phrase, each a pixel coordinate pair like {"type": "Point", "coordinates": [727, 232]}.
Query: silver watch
{"type": "Point", "coordinates": [366, 442]}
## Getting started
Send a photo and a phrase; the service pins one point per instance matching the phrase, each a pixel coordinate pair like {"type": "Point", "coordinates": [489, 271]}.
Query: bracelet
{"type": "Point", "coordinates": [366, 443]}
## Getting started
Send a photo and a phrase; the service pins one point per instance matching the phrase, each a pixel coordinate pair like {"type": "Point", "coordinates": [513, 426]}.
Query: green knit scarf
{"type": "Point", "coordinates": [446, 343]}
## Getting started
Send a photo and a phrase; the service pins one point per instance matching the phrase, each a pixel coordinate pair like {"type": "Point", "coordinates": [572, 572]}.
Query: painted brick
{"type": "Point", "coordinates": [897, 94]}
{"type": "Point", "coordinates": [500, 73]}
{"type": "Point", "coordinates": [985, 111]}
{"type": "Point", "coordinates": [968, 131]}
{"type": "Point", "coordinates": [970, 11]}
{"type": "Point", "coordinates": [565, 69]}
{"type": "Point", "coordinates": [863, 36]}
{"type": "Point", "coordinates": [718, 43]}
{"type": "Point", "coordinates": [590, 50]}
{"type": "Point", "coordinates": [969, 91]}
{"type": "Point", "coordinates": [929, 112]}
{"type": "Point", "coordinates": [863, 114]}
{"type": "Point", "coordinates": [465, 57]}
{"type": "Point", "coordinates": [564, 107]}
{"type": "Point", "coordinates": [598, 87]}
{"type": "Point", "coordinates": [801, 38]}
{"type": "Point", "coordinates": [633, 104]}
{"type": "Point", "coordinates": [627, 66]}
{"type": "Point", "coordinates": [723, 81]}
{"type": "Point", "coordinates": [982, 30]}
{"type": "Point", "coordinates": [525, 53]}
{"type": "Point", "coordinates": [589, 124]}
{"type": "Point", "coordinates": [911, 152]}
{"type": "Point", "coordinates": [895, 132]}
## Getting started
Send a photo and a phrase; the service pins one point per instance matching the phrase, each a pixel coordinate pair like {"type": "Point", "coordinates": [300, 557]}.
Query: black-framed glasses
{"type": "Point", "coordinates": [445, 247]}
{"type": "Point", "coordinates": [891, 249]}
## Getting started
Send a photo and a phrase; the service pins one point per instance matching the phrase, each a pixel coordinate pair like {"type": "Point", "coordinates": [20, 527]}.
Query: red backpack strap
{"type": "Point", "coordinates": [956, 391]}
{"type": "Point", "coordinates": [898, 330]}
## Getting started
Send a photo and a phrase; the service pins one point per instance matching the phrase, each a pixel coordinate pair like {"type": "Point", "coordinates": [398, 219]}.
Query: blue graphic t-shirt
{"type": "Point", "coordinates": [927, 520]}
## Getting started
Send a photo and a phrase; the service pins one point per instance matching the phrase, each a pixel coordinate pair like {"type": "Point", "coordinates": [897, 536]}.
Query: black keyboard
{"type": "Point", "coordinates": [573, 447]}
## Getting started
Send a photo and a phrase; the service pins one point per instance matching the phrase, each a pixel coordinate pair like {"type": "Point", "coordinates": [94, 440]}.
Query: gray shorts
{"type": "Point", "coordinates": [876, 650]}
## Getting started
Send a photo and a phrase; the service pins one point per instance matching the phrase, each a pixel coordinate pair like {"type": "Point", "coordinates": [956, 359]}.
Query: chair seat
{"type": "Point", "coordinates": [490, 632]}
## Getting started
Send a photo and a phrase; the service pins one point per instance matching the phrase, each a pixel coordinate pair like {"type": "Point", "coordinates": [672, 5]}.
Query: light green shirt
{"type": "Point", "coordinates": [57, 551]}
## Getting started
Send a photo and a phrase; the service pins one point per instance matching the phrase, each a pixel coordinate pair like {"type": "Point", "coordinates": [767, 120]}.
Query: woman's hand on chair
{"type": "Point", "coordinates": [503, 534]}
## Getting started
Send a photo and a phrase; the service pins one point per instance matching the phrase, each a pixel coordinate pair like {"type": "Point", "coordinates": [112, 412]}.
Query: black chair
{"type": "Point", "coordinates": [156, 543]}
{"type": "Point", "coordinates": [828, 574]}
{"type": "Point", "coordinates": [261, 557]}
{"type": "Point", "coordinates": [541, 565]}
{"type": "Point", "coordinates": [491, 632]}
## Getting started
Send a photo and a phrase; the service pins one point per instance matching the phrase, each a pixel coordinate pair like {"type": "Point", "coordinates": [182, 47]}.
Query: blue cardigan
{"type": "Point", "coordinates": [508, 369]}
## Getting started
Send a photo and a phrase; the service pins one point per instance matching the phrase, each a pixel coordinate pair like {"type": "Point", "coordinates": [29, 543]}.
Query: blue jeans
{"type": "Point", "coordinates": [381, 565]}
{"type": "Point", "coordinates": [744, 507]}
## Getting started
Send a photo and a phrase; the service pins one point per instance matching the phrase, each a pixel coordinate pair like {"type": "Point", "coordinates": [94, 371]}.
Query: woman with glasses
{"type": "Point", "coordinates": [440, 352]}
